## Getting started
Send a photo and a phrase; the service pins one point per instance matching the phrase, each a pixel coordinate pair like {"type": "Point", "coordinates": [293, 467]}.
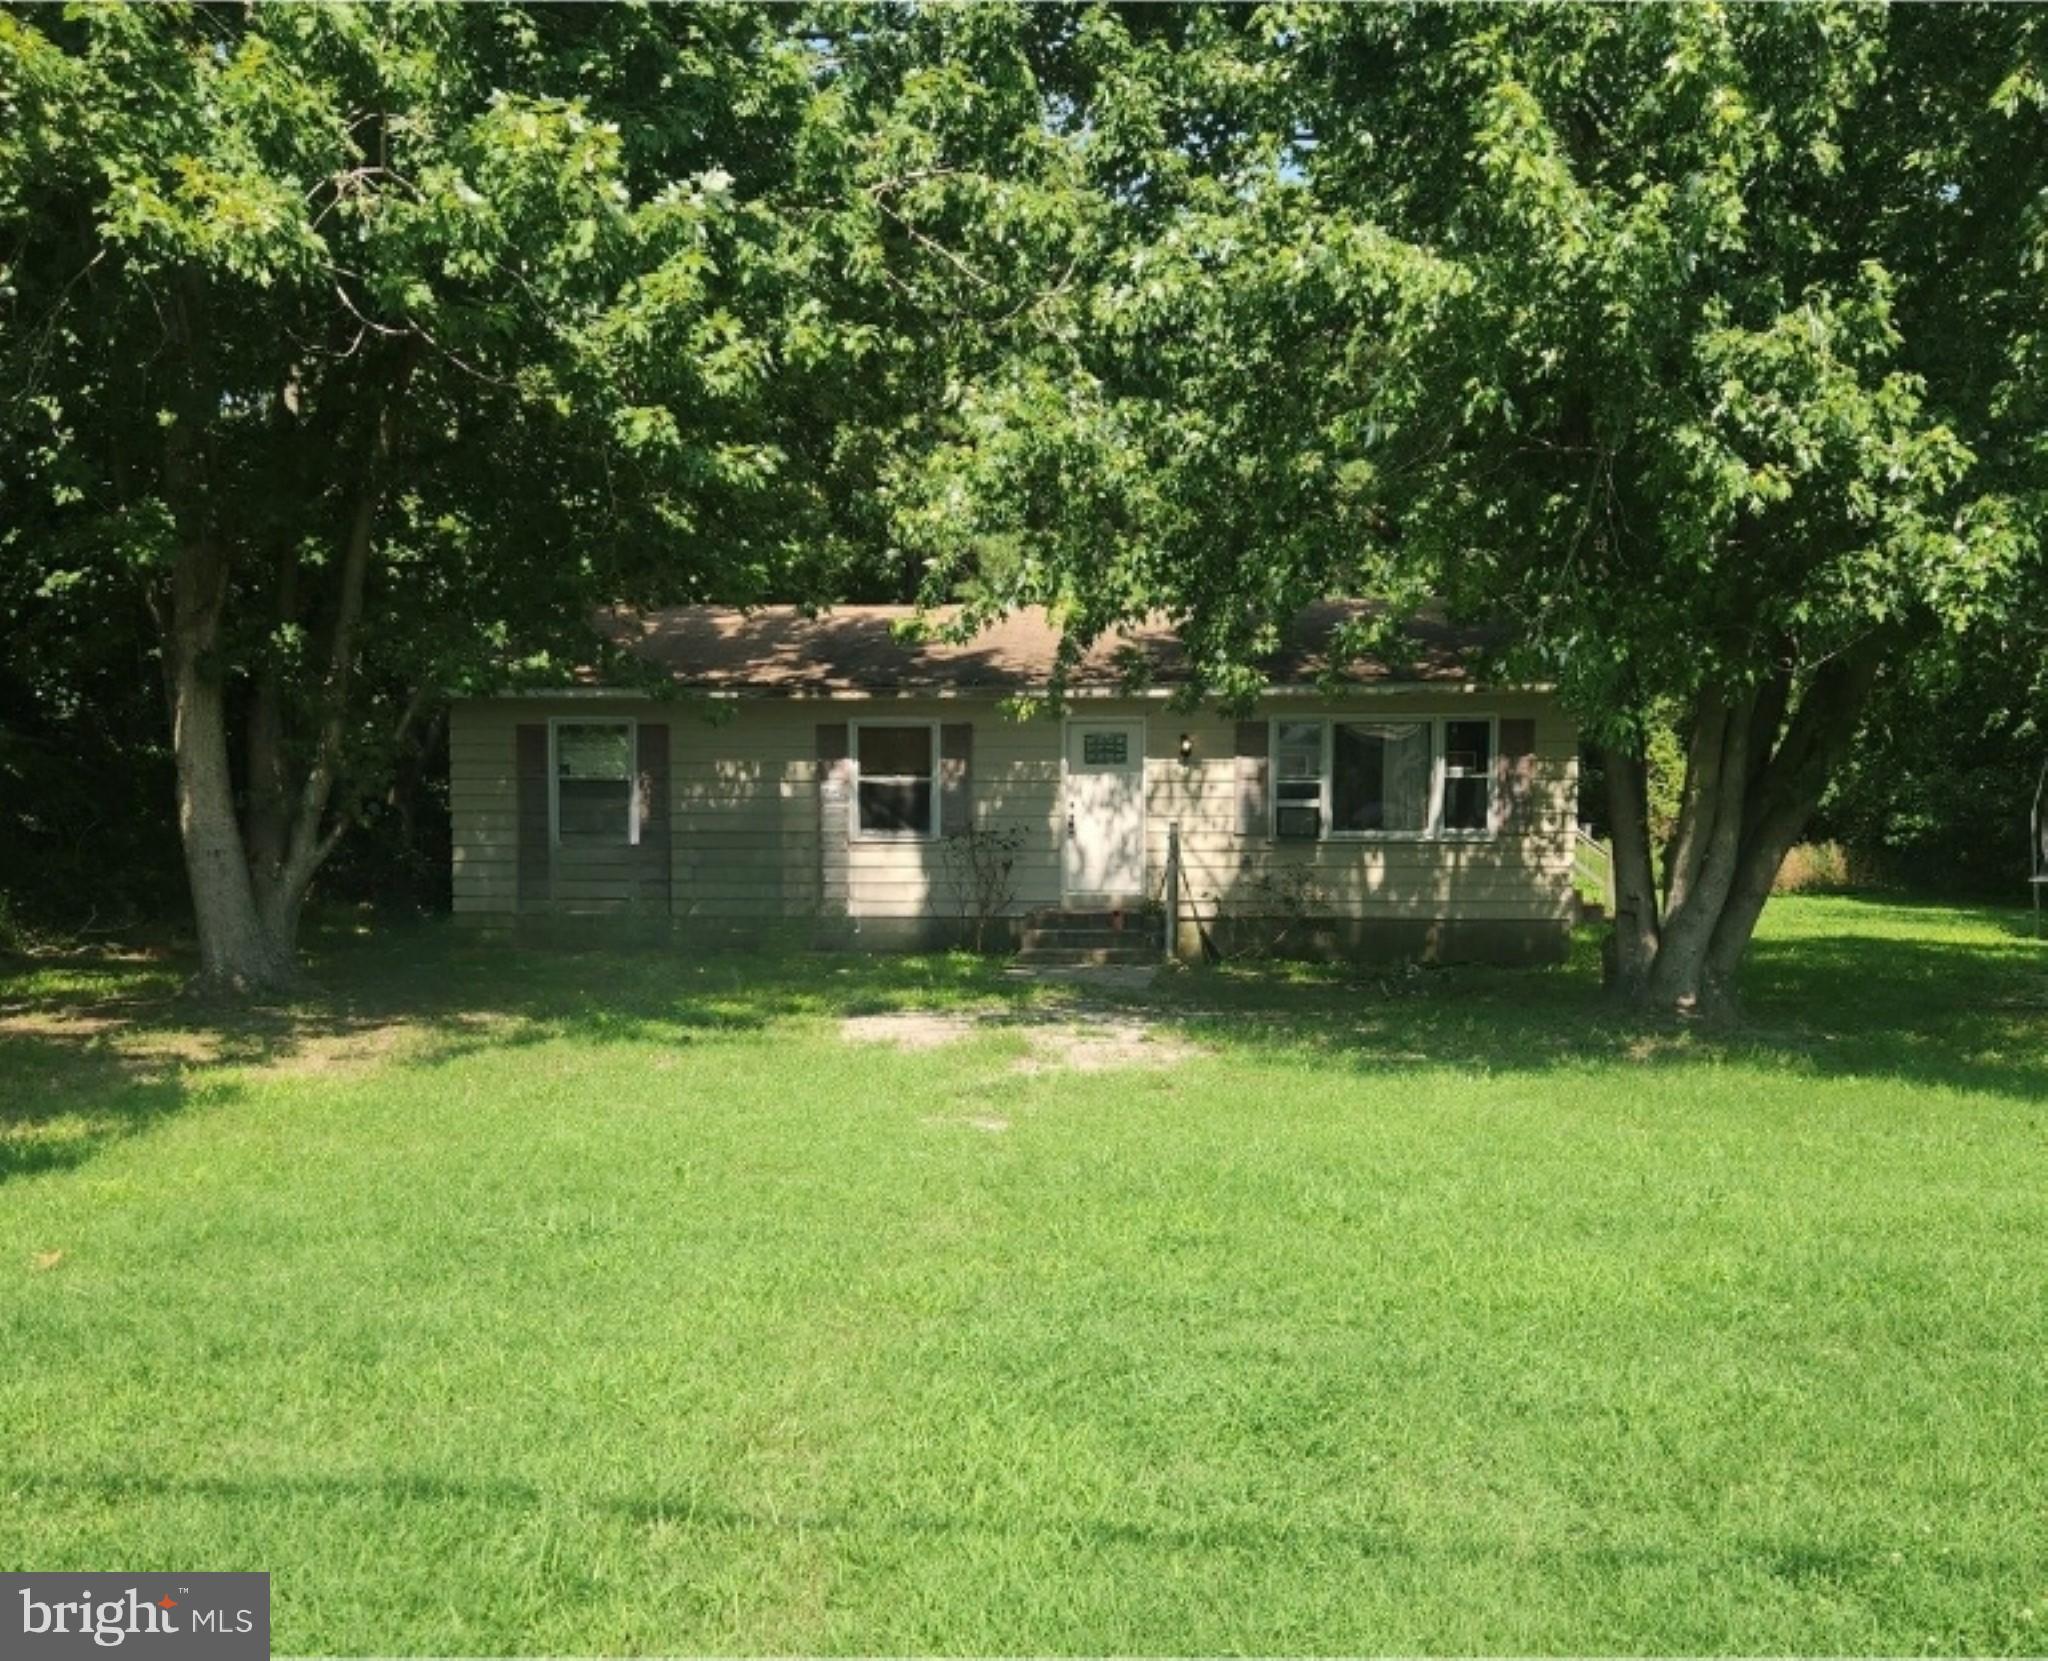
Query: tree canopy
{"type": "Point", "coordinates": [1701, 346]}
{"type": "Point", "coordinates": [365, 349]}
{"type": "Point", "coordinates": [362, 350]}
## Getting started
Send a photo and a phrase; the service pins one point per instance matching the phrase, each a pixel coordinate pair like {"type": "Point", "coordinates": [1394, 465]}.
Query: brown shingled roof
{"type": "Point", "coordinates": [857, 649]}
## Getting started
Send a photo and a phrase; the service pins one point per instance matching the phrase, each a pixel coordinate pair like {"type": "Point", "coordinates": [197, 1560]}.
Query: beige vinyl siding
{"type": "Point", "coordinates": [742, 805]}
{"type": "Point", "coordinates": [483, 805]}
{"type": "Point", "coordinates": [745, 815]}
{"type": "Point", "coordinates": [1014, 781]}
{"type": "Point", "coordinates": [1503, 877]}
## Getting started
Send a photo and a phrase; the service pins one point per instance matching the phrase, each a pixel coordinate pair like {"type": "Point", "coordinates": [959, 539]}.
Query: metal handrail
{"type": "Point", "coordinates": [1170, 898]}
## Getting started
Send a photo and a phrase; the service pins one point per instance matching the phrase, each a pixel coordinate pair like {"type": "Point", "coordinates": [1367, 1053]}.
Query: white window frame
{"type": "Point", "coordinates": [853, 826]}
{"type": "Point", "coordinates": [1438, 773]}
{"type": "Point", "coordinates": [1440, 783]}
{"type": "Point", "coordinates": [632, 727]}
{"type": "Point", "coordinates": [1322, 777]}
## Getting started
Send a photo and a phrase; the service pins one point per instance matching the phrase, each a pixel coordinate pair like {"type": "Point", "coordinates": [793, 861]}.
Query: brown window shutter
{"type": "Point", "coordinates": [835, 783]}
{"type": "Point", "coordinates": [956, 778]}
{"type": "Point", "coordinates": [1254, 776]}
{"type": "Point", "coordinates": [1517, 764]}
{"type": "Point", "coordinates": [652, 765]}
{"type": "Point", "coordinates": [530, 773]}
{"type": "Point", "coordinates": [652, 804]}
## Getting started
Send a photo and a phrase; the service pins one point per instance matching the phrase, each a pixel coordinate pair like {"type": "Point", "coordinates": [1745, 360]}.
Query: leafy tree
{"type": "Point", "coordinates": [1702, 346]}
{"type": "Point", "coordinates": [369, 348]}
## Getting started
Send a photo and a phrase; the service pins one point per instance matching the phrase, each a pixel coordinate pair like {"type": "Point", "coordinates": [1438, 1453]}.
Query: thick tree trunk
{"type": "Point", "coordinates": [279, 906]}
{"type": "Point", "coordinates": [237, 952]}
{"type": "Point", "coordinates": [1707, 853]}
{"type": "Point", "coordinates": [1633, 952]}
{"type": "Point", "coordinates": [1749, 794]}
{"type": "Point", "coordinates": [250, 878]}
{"type": "Point", "coordinates": [1785, 797]}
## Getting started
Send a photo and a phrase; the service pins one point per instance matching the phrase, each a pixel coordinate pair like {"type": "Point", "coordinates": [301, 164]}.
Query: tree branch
{"type": "Point", "coordinates": [308, 845]}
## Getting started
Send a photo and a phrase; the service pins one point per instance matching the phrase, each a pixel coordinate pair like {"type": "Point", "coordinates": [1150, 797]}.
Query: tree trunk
{"type": "Point", "coordinates": [237, 952]}
{"type": "Point", "coordinates": [1633, 942]}
{"type": "Point", "coordinates": [1787, 793]}
{"type": "Point", "coordinates": [1749, 795]}
{"type": "Point", "coordinates": [1708, 852]}
{"type": "Point", "coordinates": [250, 878]}
{"type": "Point", "coordinates": [267, 819]}
{"type": "Point", "coordinates": [279, 906]}
{"type": "Point", "coordinates": [282, 891]}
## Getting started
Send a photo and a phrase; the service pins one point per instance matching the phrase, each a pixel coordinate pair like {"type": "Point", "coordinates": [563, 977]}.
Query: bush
{"type": "Point", "coordinates": [1816, 867]}
{"type": "Point", "coordinates": [980, 864]}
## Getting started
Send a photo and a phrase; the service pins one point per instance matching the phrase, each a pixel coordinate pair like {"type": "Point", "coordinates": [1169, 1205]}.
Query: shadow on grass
{"type": "Point", "coordinates": [62, 1104]}
{"type": "Point", "coordinates": [69, 1083]}
{"type": "Point", "coordinates": [98, 1047]}
{"type": "Point", "coordinates": [1872, 998]}
{"type": "Point", "coordinates": [95, 1049]}
{"type": "Point", "coordinates": [469, 995]}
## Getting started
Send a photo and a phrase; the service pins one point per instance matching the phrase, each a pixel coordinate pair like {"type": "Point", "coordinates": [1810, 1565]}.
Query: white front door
{"type": "Point", "coordinates": [1105, 825]}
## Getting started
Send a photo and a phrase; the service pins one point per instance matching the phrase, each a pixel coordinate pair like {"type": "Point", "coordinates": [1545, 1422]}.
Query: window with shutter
{"type": "Point", "coordinates": [895, 774]}
{"type": "Point", "coordinates": [592, 784]}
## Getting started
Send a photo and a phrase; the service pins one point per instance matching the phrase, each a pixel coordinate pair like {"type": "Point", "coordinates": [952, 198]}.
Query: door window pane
{"type": "Point", "coordinates": [1105, 749]}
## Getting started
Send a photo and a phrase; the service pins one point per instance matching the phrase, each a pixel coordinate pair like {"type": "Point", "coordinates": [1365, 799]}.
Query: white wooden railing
{"type": "Point", "coordinates": [1594, 860]}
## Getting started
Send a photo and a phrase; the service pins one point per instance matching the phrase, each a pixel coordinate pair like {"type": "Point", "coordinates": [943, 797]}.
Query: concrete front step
{"type": "Point", "coordinates": [1075, 937]}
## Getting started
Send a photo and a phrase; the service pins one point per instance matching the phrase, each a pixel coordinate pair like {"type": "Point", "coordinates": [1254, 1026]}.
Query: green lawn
{"type": "Point", "coordinates": [543, 1303]}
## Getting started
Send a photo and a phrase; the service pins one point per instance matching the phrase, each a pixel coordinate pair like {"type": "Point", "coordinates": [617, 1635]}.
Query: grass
{"type": "Point", "coordinates": [531, 1303]}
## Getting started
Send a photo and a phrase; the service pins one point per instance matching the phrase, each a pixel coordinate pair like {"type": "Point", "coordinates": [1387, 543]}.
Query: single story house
{"type": "Point", "coordinates": [812, 773]}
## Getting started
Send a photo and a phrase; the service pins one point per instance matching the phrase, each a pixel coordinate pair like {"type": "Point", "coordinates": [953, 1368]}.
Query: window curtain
{"type": "Point", "coordinates": [1382, 776]}
{"type": "Point", "coordinates": [1407, 775]}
